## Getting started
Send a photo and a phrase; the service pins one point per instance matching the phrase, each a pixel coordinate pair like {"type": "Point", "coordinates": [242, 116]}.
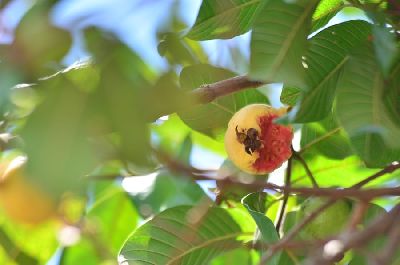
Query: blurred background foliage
{"type": "Point", "coordinates": [89, 91]}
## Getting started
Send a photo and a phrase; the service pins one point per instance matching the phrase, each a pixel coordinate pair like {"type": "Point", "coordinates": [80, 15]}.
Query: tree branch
{"type": "Point", "coordinates": [349, 240]}
{"type": "Point", "coordinates": [209, 92]}
{"type": "Point", "coordinates": [314, 214]}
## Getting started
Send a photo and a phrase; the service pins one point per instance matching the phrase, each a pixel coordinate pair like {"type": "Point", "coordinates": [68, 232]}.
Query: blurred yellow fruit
{"type": "Point", "coordinates": [23, 201]}
{"type": "Point", "coordinates": [254, 143]}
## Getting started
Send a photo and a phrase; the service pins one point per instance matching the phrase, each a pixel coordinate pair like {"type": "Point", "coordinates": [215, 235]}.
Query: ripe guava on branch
{"type": "Point", "coordinates": [254, 143]}
{"type": "Point", "coordinates": [21, 200]}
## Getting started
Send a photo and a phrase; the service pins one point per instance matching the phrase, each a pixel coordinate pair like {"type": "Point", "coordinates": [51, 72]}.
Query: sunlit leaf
{"type": "Point", "coordinates": [331, 172]}
{"type": "Point", "coordinates": [173, 131]}
{"type": "Point", "coordinates": [187, 235]}
{"type": "Point", "coordinates": [325, 11]}
{"type": "Point", "coordinates": [15, 242]}
{"type": "Point", "coordinates": [9, 247]}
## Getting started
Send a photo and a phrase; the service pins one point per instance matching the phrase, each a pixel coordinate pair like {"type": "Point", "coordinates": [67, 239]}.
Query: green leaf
{"type": "Point", "coordinates": [55, 135]}
{"type": "Point", "coordinates": [329, 51]}
{"type": "Point", "coordinates": [326, 137]}
{"type": "Point", "coordinates": [168, 191]}
{"type": "Point", "coordinates": [264, 224]}
{"type": "Point", "coordinates": [176, 50]}
{"type": "Point", "coordinates": [187, 235]}
{"type": "Point", "coordinates": [186, 149]}
{"type": "Point", "coordinates": [173, 132]}
{"type": "Point", "coordinates": [115, 216]}
{"type": "Point", "coordinates": [337, 173]}
{"type": "Point", "coordinates": [325, 11]}
{"type": "Point", "coordinates": [362, 112]}
{"type": "Point", "coordinates": [221, 109]}
{"type": "Point", "coordinates": [224, 19]}
{"type": "Point", "coordinates": [39, 56]}
{"type": "Point", "coordinates": [279, 40]}
{"type": "Point", "coordinates": [121, 98]}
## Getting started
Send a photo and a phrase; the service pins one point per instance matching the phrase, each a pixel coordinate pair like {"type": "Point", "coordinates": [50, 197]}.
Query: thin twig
{"type": "Point", "coordinates": [310, 175]}
{"type": "Point", "coordinates": [286, 195]}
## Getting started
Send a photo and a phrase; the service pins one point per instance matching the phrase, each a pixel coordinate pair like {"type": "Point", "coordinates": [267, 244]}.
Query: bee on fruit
{"type": "Point", "coordinates": [250, 139]}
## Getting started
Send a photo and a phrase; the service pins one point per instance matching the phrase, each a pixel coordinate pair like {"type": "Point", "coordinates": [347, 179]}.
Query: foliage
{"type": "Point", "coordinates": [128, 151]}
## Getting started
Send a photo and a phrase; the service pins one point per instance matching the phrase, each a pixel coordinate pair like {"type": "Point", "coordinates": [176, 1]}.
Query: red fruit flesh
{"type": "Point", "coordinates": [276, 144]}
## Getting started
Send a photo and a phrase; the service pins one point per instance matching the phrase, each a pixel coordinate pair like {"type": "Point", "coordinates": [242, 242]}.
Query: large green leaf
{"type": "Point", "coordinates": [325, 137]}
{"type": "Point", "coordinates": [264, 224]}
{"type": "Point", "coordinates": [221, 109]}
{"type": "Point", "coordinates": [224, 19]}
{"type": "Point", "coordinates": [187, 235]}
{"type": "Point", "coordinates": [329, 51]}
{"type": "Point", "coordinates": [362, 112]}
{"type": "Point", "coordinates": [279, 40]}
{"type": "Point", "coordinates": [55, 136]}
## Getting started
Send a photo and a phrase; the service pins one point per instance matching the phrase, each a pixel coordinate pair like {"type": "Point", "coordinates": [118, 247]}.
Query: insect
{"type": "Point", "coordinates": [250, 139]}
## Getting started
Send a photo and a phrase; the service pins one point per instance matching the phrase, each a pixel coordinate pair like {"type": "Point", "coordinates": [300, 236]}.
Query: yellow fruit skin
{"type": "Point", "coordinates": [246, 118]}
{"type": "Point", "coordinates": [21, 200]}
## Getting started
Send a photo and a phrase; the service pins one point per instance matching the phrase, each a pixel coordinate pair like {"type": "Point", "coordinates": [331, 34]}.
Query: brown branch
{"type": "Point", "coordinates": [350, 240]}
{"type": "Point", "coordinates": [389, 169]}
{"type": "Point", "coordinates": [386, 256]}
{"type": "Point", "coordinates": [210, 92]}
{"type": "Point", "coordinates": [314, 214]}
